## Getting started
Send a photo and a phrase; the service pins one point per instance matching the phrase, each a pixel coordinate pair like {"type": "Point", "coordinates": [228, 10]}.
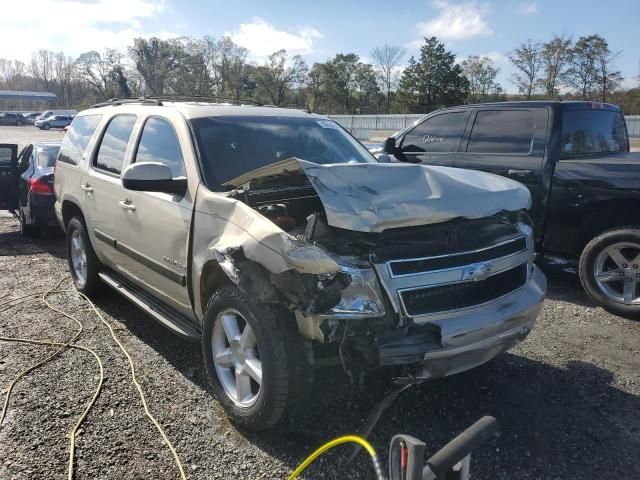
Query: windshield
{"type": "Point", "coordinates": [47, 155]}
{"type": "Point", "coordinates": [234, 145]}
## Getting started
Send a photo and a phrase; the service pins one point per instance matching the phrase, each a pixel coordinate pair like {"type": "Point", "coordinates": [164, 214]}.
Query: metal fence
{"type": "Point", "coordinates": [633, 125]}
{"type": "Point", "coordinates": [363, 127]}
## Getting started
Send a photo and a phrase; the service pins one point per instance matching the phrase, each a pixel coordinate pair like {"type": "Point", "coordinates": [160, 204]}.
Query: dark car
{"type": "Point", "coordinates": [574, 158]}
{"type": "Point", "coordinates": [12, 118]}
{"type": "Point", "coordinates": [34, 199]}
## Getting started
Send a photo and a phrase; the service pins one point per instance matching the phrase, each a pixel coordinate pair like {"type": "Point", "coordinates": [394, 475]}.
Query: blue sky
{"type": "Point", "coordinates": [318, 29]}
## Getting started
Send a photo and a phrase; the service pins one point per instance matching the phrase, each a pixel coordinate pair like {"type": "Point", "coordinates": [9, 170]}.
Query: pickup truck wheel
{"type": "Point", "coordinates": [254, 358]}
{"type": "Point", "coordinates": [83, 262]}
{"type": "Point", "coordinates": [610, 271]}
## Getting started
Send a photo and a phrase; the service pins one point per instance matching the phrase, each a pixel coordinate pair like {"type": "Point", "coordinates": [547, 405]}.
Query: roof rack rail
{"type": "Point", "coordinates": [122, 101]}
{"type": "Point", "coordinates": [204, 98]}
{"type": "Point", "coordinates": [157, 100]}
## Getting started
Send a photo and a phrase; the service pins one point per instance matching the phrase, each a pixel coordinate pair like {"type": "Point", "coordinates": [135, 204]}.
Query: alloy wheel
{"type": "Point", "coordinates": [617, 272]}
{"type": "Point", "coordinates": [236, 358]}
{"type": "Point", "coordinates": [78, 254]}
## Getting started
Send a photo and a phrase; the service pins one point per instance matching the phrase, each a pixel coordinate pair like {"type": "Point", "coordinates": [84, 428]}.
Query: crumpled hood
{"type": "Point", "coordinates": [373, 197]}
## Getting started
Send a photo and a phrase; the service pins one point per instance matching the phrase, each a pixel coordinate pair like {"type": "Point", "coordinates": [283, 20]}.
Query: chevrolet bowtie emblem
{"type": "Point", "coordinates": [477, 271]}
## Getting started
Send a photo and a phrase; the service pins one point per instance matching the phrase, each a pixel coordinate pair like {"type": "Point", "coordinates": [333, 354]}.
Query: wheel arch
{"type": "Point", "coordinates": [211, 279]}
{"type": "Point", "coordinates": [607, 216]}
{"type": "Point", "coordinates": [70, 209]}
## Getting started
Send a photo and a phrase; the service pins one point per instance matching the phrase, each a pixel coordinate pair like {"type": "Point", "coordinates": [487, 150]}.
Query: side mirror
{"type": "Point", "coordinates": [389, 146]}
{"type": "Point", "coordinates": [152, 177]}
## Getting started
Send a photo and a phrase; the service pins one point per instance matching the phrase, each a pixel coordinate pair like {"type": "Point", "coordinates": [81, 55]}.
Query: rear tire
{"type": "Point", "coordinates": [27, 229]}
{"type": "Point", "coordinates": [610, 271]}
{"type": "Point", "coordinates": [83, 262]}
{"type": "Point", "coordinates": [285, 363]}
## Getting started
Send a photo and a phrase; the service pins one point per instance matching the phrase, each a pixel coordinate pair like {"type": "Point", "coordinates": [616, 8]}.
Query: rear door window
{"type": "Point", "coordinates": [441, 133]}
{"type": "Point", "coordinates": [77, 138]}
{"type": "Point", "coordinates": [159, 143]}
{"type": "Point", "coordinates": [502, 131]}
{"type": "Point", "coordinates": [593, 131]}
{"type": "Point", "coordinates": [114, 144]}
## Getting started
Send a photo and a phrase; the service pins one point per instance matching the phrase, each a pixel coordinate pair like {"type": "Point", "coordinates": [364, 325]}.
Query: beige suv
{"type": "Point", "coordinates": [276, 240]}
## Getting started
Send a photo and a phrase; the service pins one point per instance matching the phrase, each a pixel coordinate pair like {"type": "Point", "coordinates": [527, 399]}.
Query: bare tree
{"type": "Point", "coordinates": [63, 72]}
{"type": "Point", "coordinates": [527, 59]}
{"type": "Point", "coordinates": [42, 67]}
{"type": "Point", "coordinates": [607, 78]}
{"type": "Point", "coordinates": [556, 61]}
{"type": "Point", "coordinates": [387, 59]}
{"type": "Point", "coordinates": [482, 77]}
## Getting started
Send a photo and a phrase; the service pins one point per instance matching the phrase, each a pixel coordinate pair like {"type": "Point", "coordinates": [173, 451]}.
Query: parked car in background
{"type": "Point", "coordinates": [12, 118]}
{"type": "Point", "coordinates": [574, 158]}
{"type": "Point", "coordinates": [28, 189]}
{"type": "Point", "coordinates": [32, 117]}
{"type": "Point", "coordinates": [54, 121]}
{"type": "Point", "coordinates": [48, 113]}
{"type": "Point", "coordinates": [208, 218]}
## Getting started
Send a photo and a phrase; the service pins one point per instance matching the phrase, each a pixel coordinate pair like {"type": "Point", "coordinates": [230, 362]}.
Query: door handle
{"type": "Point", "coordinates": [519, 173]}
{"type": "Point", "coordinates": [86, 187]}
{"type": "Point", "coordinates": [127, 205]}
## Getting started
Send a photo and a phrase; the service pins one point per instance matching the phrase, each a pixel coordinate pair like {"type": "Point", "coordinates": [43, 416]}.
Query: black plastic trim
{"type": "Point", "coordinates": [157, 267]}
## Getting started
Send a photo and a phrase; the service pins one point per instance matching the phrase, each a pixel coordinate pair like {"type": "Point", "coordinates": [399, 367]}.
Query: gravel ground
{"type": "Point", "coordinates": [567, 398]}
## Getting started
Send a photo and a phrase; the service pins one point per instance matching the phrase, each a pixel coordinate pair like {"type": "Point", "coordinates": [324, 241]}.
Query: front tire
{"type": "Point", "coordinates": [46, 126]}
{"type": "Point", "coordinates": [255, 358]}
{"type": "Point", "coordinates": [610, 271]}
{"type": "Point", "coordinates": [83, 262]}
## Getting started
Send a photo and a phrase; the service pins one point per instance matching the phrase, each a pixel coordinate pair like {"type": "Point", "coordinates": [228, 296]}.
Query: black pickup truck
{"type": "Point", "coordinates": [574, 158]}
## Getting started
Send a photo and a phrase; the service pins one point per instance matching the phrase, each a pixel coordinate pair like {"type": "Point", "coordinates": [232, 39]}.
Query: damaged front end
{"type": "Point", "coordinates": [382, 264]}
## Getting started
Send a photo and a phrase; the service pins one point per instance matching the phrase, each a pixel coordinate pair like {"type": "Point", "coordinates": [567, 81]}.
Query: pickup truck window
{"type": "Point", "coordinates": [160, 144]}
{"type": "Point", "coordinates": [502, 131]}
{"type": "Point", "coordinates": [593, 131]}
{"type": "Point", "coordinates": [441, 133]}
{"type": "Point", "coordinates": [77, 138]}
{"type": "Point", "coordinates": [114, 143]}
{"type": "Point", "coordinates": [234, 145]}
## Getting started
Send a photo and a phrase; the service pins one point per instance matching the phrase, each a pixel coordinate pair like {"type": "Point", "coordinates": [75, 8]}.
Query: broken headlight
{"type": "Point", "coordinates": [361, 297]}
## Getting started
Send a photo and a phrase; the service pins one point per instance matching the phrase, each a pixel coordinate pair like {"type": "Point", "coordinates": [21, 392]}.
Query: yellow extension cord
{"type": "Point", "coordinates": [69, 344]}
{"type": "Point", "coordinates": [333, 443]}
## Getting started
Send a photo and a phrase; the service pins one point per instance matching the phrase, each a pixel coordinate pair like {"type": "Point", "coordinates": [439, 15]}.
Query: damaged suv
{"type": "Point", "coordinates": [276, 240]}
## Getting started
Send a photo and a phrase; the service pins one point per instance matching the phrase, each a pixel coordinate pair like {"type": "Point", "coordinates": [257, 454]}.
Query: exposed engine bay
{"type": "Point", "coordinates": [349, 309]}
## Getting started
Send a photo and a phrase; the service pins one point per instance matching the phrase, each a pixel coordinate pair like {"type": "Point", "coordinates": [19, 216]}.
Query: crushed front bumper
{"type": "Point", "coordinates": [458, 341]}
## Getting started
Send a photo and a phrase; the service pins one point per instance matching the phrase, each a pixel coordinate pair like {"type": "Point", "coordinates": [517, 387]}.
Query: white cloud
{"type": "Point", "coordinates": [459, 21]}
{"type": "Point", "coordinates": [75, 26]}
{"type": "Point", "coordinates": [527, 8]}
{"type": "Point", "coordinates": [495, 56]}
{"type": "Point", "coordinates": [262, 39]}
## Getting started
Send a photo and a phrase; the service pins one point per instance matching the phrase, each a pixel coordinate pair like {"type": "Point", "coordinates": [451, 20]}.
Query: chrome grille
{"type": "Point", "coordinates": [420, 265]}
{"type": "Point", "coordinates": [434, 299]}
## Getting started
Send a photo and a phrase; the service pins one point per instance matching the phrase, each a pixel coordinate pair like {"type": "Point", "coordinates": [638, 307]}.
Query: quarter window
{"type": "Point", "coordinates": [77, 138]}
{"type": "Point", "coordinates": [114, 143]}
{"type": "Point", "coordinates": [502, 131]}
{"type": "Point", "coordinates": [441, 133]}
{"type": "Point", "coordinates": [159, 143]}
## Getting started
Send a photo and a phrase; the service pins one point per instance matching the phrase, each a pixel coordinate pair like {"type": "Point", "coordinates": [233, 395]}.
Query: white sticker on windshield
{"type": "Point", "coordinates": [328, 124]}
